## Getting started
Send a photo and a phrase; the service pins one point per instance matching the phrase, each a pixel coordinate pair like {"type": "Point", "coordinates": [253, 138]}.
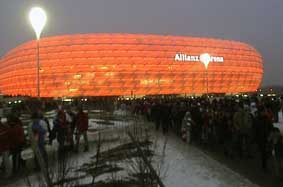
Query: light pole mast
{"type": "Point", "coordinates": [38, 68]}
{"type": "Point", "coordinates": [37, 18]}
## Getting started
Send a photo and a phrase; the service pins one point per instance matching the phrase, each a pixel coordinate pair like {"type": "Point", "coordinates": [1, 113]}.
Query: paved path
{"type": "Point", "coordinates": [189, 167]}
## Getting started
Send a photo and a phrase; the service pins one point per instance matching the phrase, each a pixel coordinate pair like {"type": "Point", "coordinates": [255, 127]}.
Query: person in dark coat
{"type": "Point", "coordinates": [179, 117]}
{"type": "Point", "coordinates": [165, 117]}
{"type": "Point", "coordinates": [264, 127]}
{"type": "Point", "coordinates": [60, 128]}
{"type": "Point", "coordinates": [72, 125]}
{"type": "Point", "coordinates": [156, 114]}
{"type": "Point", "coordinates": [81, 127]}
{"type": "Point", "coordinates": [197, 127]}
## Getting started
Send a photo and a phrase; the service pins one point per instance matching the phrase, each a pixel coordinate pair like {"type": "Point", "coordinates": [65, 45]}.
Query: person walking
{"type": "Point", "coordinates": [243, 124]}
{"type": "Point", "coordinates": [5, 145]}
{"type": "Point", "coordinates": [60, 128]}
{"type": "Point", "coordinates": [70, 118]}
{"type": "Point", "coordinates": [186, 129]}
{"type": "Point", "coordinates": [165, 117]}
{"type": "Point", "coordinates": [156, 114]}
{"type": "Point", "coordinates": [263, 129]}
{"type": "Point", "coordinates": [81, 127]}
{"type": "Point", "coordinates": [17, 136]}
{"type": "Point", "coordinates": [37, 137]}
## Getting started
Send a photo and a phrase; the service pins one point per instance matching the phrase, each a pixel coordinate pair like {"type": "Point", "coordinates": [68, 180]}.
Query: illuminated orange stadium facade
{"type": "Point", "coordinates": [130, 64]}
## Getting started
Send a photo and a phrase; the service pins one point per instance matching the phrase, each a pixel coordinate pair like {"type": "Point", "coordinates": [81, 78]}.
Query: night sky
{"type": "Point", "coordinates": [256, 22]}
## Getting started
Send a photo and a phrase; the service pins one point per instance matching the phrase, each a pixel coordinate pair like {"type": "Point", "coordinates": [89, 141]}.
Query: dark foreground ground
{"type": "Point", "coordinates": [247, 167]}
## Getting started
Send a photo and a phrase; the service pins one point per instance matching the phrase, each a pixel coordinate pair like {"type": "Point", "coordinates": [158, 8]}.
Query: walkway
{"type": "Point", "coordinates": [190, 167]}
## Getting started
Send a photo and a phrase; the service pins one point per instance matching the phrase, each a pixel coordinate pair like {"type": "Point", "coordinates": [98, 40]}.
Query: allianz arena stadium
{"type": "Point", "coordinates": [130, 64]}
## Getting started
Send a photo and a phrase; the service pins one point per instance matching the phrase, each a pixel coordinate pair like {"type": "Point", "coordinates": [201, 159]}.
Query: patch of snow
{"type": "Point", "coordinates": [279, 125]}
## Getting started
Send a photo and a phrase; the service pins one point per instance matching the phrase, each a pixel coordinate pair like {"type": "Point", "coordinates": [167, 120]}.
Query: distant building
{"type": "Point", "coordinates": [130, 64]}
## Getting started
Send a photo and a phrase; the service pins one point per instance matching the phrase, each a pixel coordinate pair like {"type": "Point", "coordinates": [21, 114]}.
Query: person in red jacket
{"type": "Point", "coordinates": [17, 139]}
{"type": "Point", "coordinates": [82, 127]}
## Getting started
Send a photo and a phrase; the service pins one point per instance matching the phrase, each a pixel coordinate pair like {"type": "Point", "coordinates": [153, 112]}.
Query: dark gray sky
{"type": "Point", "coordinates": [256, 22]}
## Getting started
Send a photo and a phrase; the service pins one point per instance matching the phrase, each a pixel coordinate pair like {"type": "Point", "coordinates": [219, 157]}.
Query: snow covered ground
{"type": "Point", "coordinates": [280, 124]}
{"type": "Point", "coordinates": [186, 166]}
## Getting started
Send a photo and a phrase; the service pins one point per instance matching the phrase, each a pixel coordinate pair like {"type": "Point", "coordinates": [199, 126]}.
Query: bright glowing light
{"type": "Point", "coordinates": [37, 18]}
{"type": "Point", "coordinates": [67, 99]}
{"type": "Point", "coordinates": [205, 59]}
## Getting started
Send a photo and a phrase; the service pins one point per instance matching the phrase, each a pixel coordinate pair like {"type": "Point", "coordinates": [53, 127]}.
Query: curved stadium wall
{"type": "Point", "coordinates": [127, 64]}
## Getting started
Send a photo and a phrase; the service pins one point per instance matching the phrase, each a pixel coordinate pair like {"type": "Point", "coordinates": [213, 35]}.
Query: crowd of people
{"type": "Point", "coordinates": [242, 127]}
{"type": "Point", "coordinates": [67, 128]}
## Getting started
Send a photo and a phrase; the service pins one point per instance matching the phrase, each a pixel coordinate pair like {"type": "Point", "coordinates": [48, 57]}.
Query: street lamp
{"type": "Point", "coordinates": [205, 59]}
{"type": "Point", "coordinates": [37, 18]}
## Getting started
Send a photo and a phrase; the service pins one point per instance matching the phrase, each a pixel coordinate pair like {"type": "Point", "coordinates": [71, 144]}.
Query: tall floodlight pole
{"type": "Point", "coordinates": [37, 18]}
{"type": "Point", "coordinates": [205, 59]}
